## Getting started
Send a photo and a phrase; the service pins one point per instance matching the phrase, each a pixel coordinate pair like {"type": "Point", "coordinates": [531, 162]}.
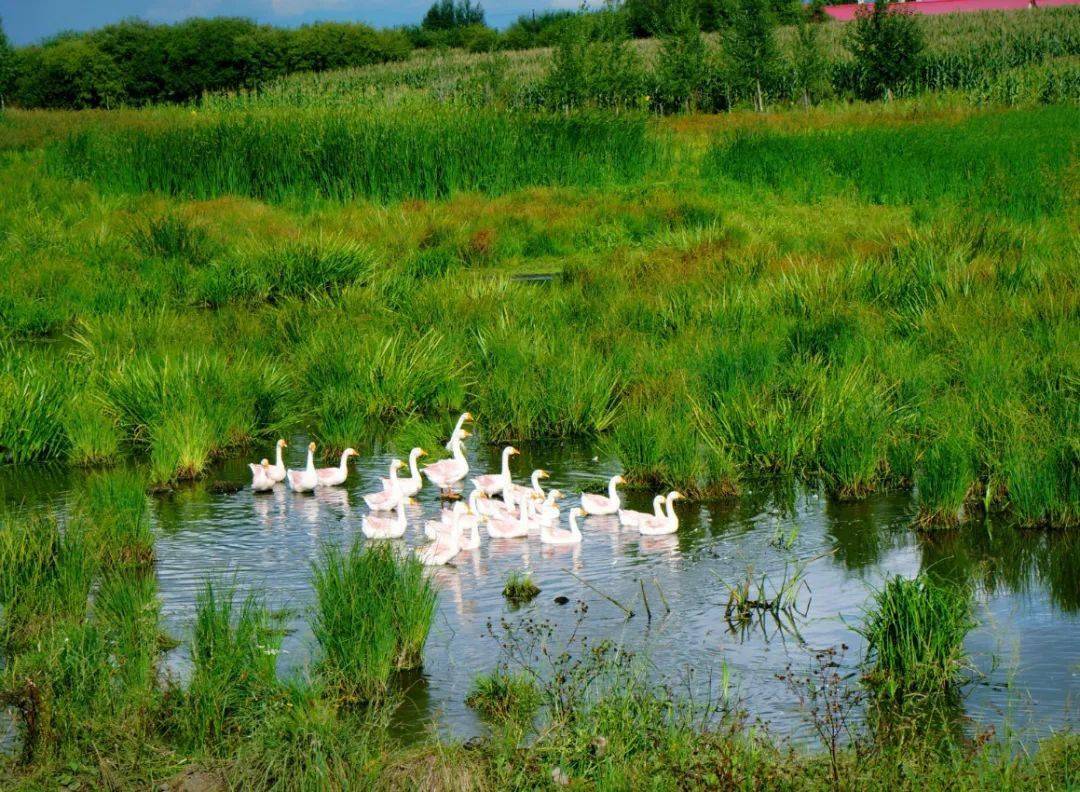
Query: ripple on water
{"type": "Point", "coordinates": [268, 541]}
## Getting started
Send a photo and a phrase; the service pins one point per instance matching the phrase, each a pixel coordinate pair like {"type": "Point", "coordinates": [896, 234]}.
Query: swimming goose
{"type": "Point", "coordinates": [447, 472]}
{"type": "Point", "coordinates": [442, 550]}
{"type": "Point", "coordinates": [465, 416]}
{"type": "Point", "coordinates": [307, 479]}
{"type": "Point", "coordinates": [535, 492]}
{"type": "Point", "coordinates": [277, 470]}
{"type": "Point", "coordinates": [504, 527]}
{"type": "Point", "coordinates": [550, 534]}
{"type": "Point", "coordinates": [379, 527]}
{"type": "Point", "coordinates": [493, 483]}
{"type": "Point", "coordinates": [630, 519]}
{"type": "Point", "coordinates": [447, 521]}
{"type": "Point", "coordinates": [411, 485]}
{"type": "Point", "coordinates": [548, 511]}
{"type": "Point", "coordinates": [260, 476]}
{"type": "Point", "coordinates": [332, 476]}
{"type": "Point", "coordinates": [386, 499]}
{"type": "Point", "coordinates": [600, 505]}
{"type": "Point", "coordinates": [659, 526]}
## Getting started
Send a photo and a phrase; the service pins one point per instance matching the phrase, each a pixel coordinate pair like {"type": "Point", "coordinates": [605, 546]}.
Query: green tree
{"type": "Point", "coordinates": [7, 66]}
{"type": "Point", "coordinates": [887, 44]}
{"type": "Point", "coordinates": [451, 14]}
{"type": "Point", "coordinates": [682, 67]}
{"type": "Point", "coordinates": [751, 48]}
{"type": "Point", "coordinates": [808, 63]}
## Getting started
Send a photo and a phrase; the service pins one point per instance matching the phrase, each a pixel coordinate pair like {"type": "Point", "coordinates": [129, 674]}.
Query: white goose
{"type": "Point", "coordinates": [465, 416]}
{"type": "Point", "coordinates": [493, 483]}
{"type": "Point", "coordinates": [260, 476]}
{"type": "Point", "coordinates": [535, 491]}
{"type": "Point", "coordinates": [277, 470]}
{"type": "Point", "coordinates": [447, 545]}
{"type": "Point", "coordinates": [548, 511]}
{"type": "Point", "coordinates": [630, 519]}
{"type": "Point", "coordinates": [307, 479]}
{"type": "Point", "coordinates": [601, 505]}
{"type": "Point", "coordinates": [447, 472]}
{"type": "Point", "coordinates": [510, 528]}
{"type": "Point", "coordinates": [469, 522]}
{"type": "Point", "coordinates": [447, 521]}
{"type": "Point", "coordinates": [379, 527]}
{"type": "Point", "coordinates": [387, 499]}
{"type": "Point", "coordinates": [505, 509]}
{"type": "Point", "coordinates": [409, 486]}
{"type": "Point", "coordinates": [332, 476]}
{"type": "Point", "coordinates": [659, 526]}
{"type": "Point", "coordinates": [551, 534]}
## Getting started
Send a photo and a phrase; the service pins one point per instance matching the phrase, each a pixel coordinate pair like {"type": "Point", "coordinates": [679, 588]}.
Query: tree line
{"type": "Point", "coordinates": [138, 63]}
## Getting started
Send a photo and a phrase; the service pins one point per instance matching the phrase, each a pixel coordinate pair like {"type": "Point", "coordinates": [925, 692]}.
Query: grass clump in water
{"type": "Point", "coordinates": [502, 697]}
{"type": "Point", "coordinates": [915, 636]}
{"type": "Point", "coordinates": [113, 511]}
{"type": "Point", "coordinates": [372, 615]}
{"type": "Point", "coordinates": [520, 588]}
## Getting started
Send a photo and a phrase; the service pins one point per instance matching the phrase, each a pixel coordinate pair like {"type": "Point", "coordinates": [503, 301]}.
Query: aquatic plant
{"type": "Point", "coordinates": [914, 633]}
{"type": "Point", "coordinates": [520, 588]}
{"type": "Point", "coordinates": [112, 511]}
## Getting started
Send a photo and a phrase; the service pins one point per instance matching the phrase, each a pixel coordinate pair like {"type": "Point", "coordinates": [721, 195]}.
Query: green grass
{"type": "Point", "coordinates": [372, 615]}
{"type": "Point", "coordinates": [280, 157]}
{"type": "Point", "coordinates": [914, 634]}
{"type": "Point", "coordinates": [520, 588]}
{"type": "Point", "coordinates": [504, 697]}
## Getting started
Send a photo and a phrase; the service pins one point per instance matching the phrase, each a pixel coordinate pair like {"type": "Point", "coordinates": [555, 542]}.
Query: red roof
{"type": "Point", "coordinates": [846, 13]}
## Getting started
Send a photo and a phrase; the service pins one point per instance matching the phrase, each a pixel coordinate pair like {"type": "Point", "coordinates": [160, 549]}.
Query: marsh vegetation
{"type": "Point", "coordinates": [855, 298]}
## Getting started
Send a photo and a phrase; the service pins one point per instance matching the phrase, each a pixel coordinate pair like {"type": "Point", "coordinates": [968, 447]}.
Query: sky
{"type": "Point", "coordinates": [28, 21]}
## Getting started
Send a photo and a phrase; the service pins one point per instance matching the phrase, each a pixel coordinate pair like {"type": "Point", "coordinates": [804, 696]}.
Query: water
{"type": "Point", "coordinates": [1026, 585]}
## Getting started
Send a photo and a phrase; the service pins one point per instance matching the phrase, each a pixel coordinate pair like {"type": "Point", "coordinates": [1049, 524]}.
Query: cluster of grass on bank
{"type": "Point", "coordinates": [887, 315]}
{"type": "Point", "coordinates": [83, 649]}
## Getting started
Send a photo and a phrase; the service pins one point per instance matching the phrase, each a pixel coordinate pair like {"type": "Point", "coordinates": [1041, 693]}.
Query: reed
{"type": "Point", "coordinates": [234, 647]}
{"type": "Point", "coordinates": [372, 616]}
{"type": "Point", "coordinates": [113, 512]}
{"type": "Point", "coordinates": [914, 635]}
{"type": "Point", "coordinates": [345, 156]}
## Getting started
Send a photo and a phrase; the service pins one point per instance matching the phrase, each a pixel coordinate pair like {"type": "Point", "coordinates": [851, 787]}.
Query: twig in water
{"type": "Point", "coordinates": [629, 613]}
{"type": "Point", "coordinates": [663, 599]}
{"type": "Point", "coordinates": [648, 610]}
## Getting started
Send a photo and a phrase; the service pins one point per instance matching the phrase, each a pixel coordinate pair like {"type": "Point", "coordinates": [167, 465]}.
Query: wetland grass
{"type": "Point", "coordinates": [914, 635]}
{"type": "Point", "coordinates": [520, 588]}
{"type": "Point", "coordinates": [372, 614]}
{"type": "Point", "coordinates": [504, 697]}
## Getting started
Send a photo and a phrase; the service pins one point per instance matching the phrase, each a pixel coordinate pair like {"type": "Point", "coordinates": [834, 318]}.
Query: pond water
{"type": "Point", "coordinates": [1026, 584]}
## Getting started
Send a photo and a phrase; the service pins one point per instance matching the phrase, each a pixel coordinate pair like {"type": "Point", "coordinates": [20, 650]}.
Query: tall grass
{"type": "Point", "coordinates": [914, 634]}
{"type": "Point", "coordinates": [343, 156]}
{"type": "Point", "coordinates": [988, 165]}
{"type": "Point", "coordinates": [234, 650]}
{"type": "Point", "coordinates": [112, 510]}
{"type": "Point", "coordinates": [372, 615]}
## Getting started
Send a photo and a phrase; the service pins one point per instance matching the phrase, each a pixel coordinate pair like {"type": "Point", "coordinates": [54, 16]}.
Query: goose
{"type": "Point", "coordinates": [307, 479]}
{"type": "Point", "coordinates": [442, 550]}
{"type": "Point", "coordinates": [411, 485]}
{"type": "Point", "coordinates": [465, 416]}
{"type": "Point", "coordinates": [332, 476]}
{"type": "Point", "coordinates": [550, 534]}
{"type": "Point", "coordinates": [493, 483]}
{"type": "Point", "coordinates": [630, 519]}
{"type": "Point", "coordinates": [659, 526]}
{"type": "Point", "coordinates": [535, 491]}
{"type": "Point", "coordinates": [277, 470]}
{"type": "Point", "coordinates": [260, 476]}
{"type": "Point", "coordinates": [378, 527]}
{"type": "Point", "coordinates": [447, 472]}
{"type": "Point", "coordinates": [386, 499]}
{"type": "Point", "coordinates": [447, 521]}
{"type": "Point", "coordinates": [510, 528]}
{"type": "Point", "coordinates": [471, 523]}
{"type": "Point", "coordinates": [548, 511]}
{"type": "Point", "coordinates": [505, 509]}
{"type": "Point", "coordinates": [600, 505]}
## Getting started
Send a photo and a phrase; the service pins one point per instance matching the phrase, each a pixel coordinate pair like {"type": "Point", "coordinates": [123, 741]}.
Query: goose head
{"type": "Point", "coordinates": [282, 444]}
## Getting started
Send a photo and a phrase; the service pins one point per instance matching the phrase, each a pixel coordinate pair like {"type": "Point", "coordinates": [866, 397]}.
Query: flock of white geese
{"type": "Point", "coordinates": [507, 510]}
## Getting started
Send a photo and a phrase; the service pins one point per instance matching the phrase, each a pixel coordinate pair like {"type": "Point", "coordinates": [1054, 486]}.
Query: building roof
{"type": "Point", "coordinates": [847, 12]}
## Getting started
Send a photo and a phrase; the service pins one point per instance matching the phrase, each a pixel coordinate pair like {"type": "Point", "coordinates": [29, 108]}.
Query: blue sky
{"type": "Point", "coordinates": [27, 21]}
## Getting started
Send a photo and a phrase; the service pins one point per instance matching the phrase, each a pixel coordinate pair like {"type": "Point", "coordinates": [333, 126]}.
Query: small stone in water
{"type": "Point", "coordinates": [561, 600]}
